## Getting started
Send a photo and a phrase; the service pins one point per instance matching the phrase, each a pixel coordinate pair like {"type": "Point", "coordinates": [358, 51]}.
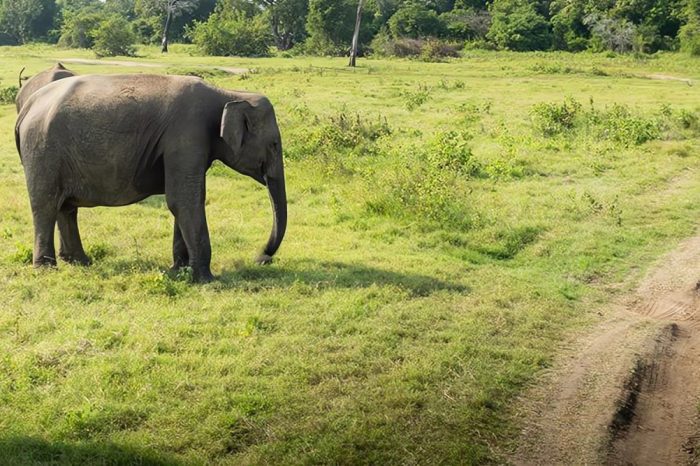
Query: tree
{"type": "Point", "coordinates": [170, 9]}
{"type": "Point", "coordinates": [516, 25]}
{"type": "Point", "coordinates": [232, 34]}
{"type": "Point", "coordinates": [23, 21]}
{"type": "Point", "coordinates": [113, 37]}
{"type": "Point", "coordinates": [287, 20]}
{"type": "Point", "coordinates": [79, 28]}
{"type": "Point", "coordinates": [356, 34]}
{"type": "Point", "coordinates": [415, 20]}
{"type": "Point", "coordinates": [330, 26]}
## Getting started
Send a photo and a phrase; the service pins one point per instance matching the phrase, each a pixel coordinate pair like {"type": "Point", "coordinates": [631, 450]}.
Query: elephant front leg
{"type": "Point", "coordinates": [181, 257]}
{"type": "Point", "coordinates": [186, 201]}
{"type": "Point", "coordinates": [71, 246]}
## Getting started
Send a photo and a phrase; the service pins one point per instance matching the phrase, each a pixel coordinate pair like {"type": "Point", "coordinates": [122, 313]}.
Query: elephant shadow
{"type": "Point", "coordinates": [32, 450]}
{"type": "Point", "coordinates": [331, 274]}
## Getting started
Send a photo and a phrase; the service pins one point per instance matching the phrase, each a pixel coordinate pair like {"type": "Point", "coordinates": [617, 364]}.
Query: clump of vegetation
{"type": "Point", "coordinates": [552, 118]}
{"type": "Point", "coordinates": [414, 99]}
{"type": "Point", "coordinates": [232, 35]}
{"type": "Point", "coordinates": [621, 125]}
{"type": "Point", "coordinates": [435, 50]}
{"type": "Point", "coordinates": [79, 28]}
{"type": "Point", "coordinates": [338, 134]}
{"type": "Point", "coordinates": [425, 186]}
{"type": "Point", "coordinates": [22, 254]}
{"type": "Point", "coordinates": [617, 123]}
{"type": "Point", "coordinates": [8, 94]}
{"type": "Point", "coordinates": [114, 36]}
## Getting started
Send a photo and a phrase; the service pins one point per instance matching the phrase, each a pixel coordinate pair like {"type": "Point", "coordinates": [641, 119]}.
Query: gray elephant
{"type": "Point", "coordinates": [36, 82]}
{"type": "Point", "coordinates": [113, 140]}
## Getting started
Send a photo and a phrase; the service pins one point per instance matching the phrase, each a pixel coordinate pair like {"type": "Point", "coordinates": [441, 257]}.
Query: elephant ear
{"type": "Point", "coordinates": [235, 122]}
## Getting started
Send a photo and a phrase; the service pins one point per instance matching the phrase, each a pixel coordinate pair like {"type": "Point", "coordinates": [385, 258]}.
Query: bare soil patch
{"type": "Point", "coordinates": [628, 392]}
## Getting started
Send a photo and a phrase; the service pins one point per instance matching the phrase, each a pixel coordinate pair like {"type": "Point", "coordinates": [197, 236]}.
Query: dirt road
{"type": "Point", "coordinates": [628, 393]}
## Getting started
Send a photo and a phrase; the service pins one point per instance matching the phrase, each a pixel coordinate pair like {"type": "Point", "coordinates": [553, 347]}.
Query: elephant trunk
{"type": "Point", "coordinates": [278, 199]}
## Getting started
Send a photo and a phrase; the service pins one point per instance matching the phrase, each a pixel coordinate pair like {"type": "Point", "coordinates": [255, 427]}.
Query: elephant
{"type": "Point", "coordinates": [58, 71]}
{"type": "Point", "coordinates": [113, 140]}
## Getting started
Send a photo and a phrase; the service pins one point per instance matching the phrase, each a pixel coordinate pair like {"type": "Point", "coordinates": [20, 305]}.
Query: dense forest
{"type": "Point", "coordinates": [325, 27]}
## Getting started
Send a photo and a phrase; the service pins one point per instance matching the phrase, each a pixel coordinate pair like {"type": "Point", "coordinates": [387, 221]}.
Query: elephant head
{"type": "Point", "coordinates": [249, 128]}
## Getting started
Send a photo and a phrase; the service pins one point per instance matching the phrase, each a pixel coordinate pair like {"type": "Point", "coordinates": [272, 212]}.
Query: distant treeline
{"type": "Point", "coordinates": [389, 27]}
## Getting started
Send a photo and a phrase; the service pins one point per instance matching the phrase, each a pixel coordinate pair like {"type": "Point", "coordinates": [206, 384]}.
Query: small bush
{"type": "Point", "coordinates": [8, 94]}
{"type": "Point", "coordinates": [414, 99]}
{"type": "Point", "coordinates": [449, 151]}
{"type": "Point", "coordinates": [620, 125]}
{"type": "Point", "coordinates": [232, 34]}
{"type": "Point", "coordinates": [78, 30]}
{"type": "Point", "coordinates": [436, 50]}
{"type": "Point", "coordinates": [22, 254]}
{"type": "Point", "coordinates": [342, 132]}
{"type": "Point", "coordinates": [114, 37]}
{"type": "Point", "coordinates": [555, 118]}
{"type": "Point", "coordinates": [689, 36]}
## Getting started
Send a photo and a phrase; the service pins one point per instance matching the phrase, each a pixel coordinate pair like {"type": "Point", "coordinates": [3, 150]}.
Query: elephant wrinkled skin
{"type": "Point", "coordinates": [113, 140]}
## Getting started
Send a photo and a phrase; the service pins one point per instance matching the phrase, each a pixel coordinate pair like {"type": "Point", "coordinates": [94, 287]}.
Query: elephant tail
{"type": "Point", "coordinates": [20, 76]}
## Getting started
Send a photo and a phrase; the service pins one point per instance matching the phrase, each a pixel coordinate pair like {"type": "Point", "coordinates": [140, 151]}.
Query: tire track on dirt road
{"type": "Point", "coordinates": [628, 394]}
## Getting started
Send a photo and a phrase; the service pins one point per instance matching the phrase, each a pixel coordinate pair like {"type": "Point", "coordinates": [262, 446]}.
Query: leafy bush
{"type": "Point", "coordinates": [617, 35]}
{"type": "Point", "coordinates": [466, 24]}
{"type": "Point", "coordinates": [436, 50]}
{"type": "Point", "coordinates": [8, 94]}
{"type": "Point", "coordinates": [619, 124]}
{"type": "Point", "coordinates": [356, 134]}
{"type": "Point", "coordinates": [415, 21]}
{"type": "Point", "coordinates": [113, 37]}
{"type": "Point", "coordinates": [690, 38]}
{"type": "Point", "coordinates": [449, 151]}
{"type": "Point", "coordinates": [78, 30]}
{"type": "Point", "coordinates": [425, 186]}
{"type": "Point", "coordinates": [552, 118]}
{"type": "Point", "coordinates": [414, 99]}
{"type": "Point", "coordinates": [234, 34]}
{"type": "Point", "coordinates": [516, 25]}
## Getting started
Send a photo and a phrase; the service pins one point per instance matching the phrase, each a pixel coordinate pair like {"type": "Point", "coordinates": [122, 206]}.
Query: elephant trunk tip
{"type": "Point", "coordinates": [263, 259]}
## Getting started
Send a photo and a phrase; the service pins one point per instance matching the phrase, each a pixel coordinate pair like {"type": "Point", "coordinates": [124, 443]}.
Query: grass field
{"type": "Point", "coordinates": [450, 224]}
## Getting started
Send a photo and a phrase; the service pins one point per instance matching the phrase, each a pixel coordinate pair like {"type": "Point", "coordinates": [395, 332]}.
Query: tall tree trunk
{"type": "Point", "coordinates": [356, 34]}
{"type": "Point", "coordinates": [164, 42]}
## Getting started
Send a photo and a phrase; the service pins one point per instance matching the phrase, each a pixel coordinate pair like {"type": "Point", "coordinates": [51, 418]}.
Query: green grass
{"type": "Point", "coordinates": [412, 300]}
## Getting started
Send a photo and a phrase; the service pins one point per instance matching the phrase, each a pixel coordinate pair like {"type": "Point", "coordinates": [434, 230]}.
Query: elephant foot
{"type": "Point", "coordinates": [202, 276]}
{"type": "Point", "coordinates": [44, 261]}
{"type": "Point", "coordinates": [76, 259]}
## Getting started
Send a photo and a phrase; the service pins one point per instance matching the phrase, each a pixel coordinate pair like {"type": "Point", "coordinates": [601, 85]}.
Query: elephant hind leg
{"type": "Point", "coordinates": [181, 257]}
{"type": "Point", "coordinates": [44, 217]}
{"type": "Point", "coordinates": [71, 246]}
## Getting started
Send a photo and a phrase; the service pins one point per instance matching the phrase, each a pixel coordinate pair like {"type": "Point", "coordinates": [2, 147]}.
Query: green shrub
{"type": "Point", "coordinates": [8, 94]}
{"type": "Point", "coordinates": [552, 118]}
{"type": "Point", "coordinates": [436, 50]}
{"type": "Point", "coordinates": [342, 132]}
{"type": "Point", "coordinates": [233, 34]}
{"type": "Point", "coordinates": [416, 21]}
{"type": "Point", "coordinates": [689, 36]}
{"type": "Point", "coordinates": [113, 37]}
{"type": "Point", "coordinates": [22, 254]}
{"type": "Point", "coordinates": [620, 125]}
{"type": "Point", "coordinates": [78, 30]}
{"type": "Point", "coordinates": [516, 25]}
{"type": "Point", "coordinates": [449, 151]}
{"type": "Point", "coordinates": [414, 99]}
